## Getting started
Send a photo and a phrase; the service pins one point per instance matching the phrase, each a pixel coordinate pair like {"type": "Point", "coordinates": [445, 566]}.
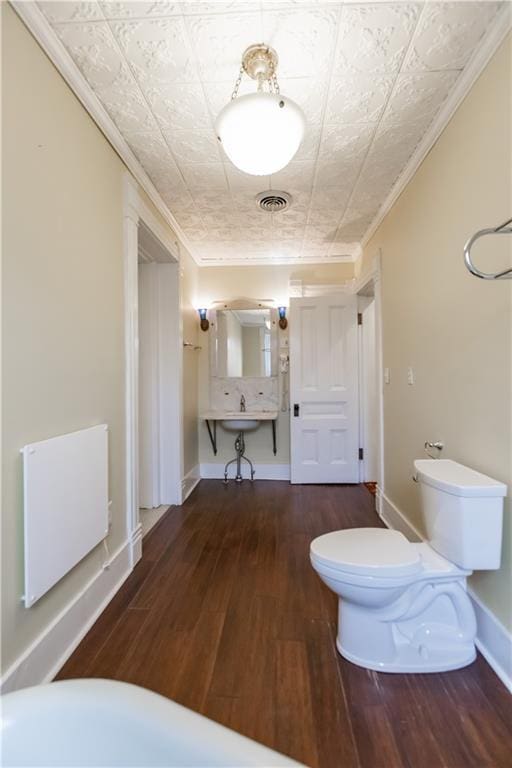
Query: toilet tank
{"type": "Point", "coordinates": [462, 511]}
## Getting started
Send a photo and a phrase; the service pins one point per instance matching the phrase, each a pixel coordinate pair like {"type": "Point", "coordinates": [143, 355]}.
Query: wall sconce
{"type": "Point", "coordinates": [283, 322]}
{"type": "Point", "coordinates": [205, 323]}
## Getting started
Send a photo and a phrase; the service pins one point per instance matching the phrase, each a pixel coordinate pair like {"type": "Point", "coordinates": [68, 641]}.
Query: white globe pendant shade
{"type": "Point", "coordinates": [260, 132]}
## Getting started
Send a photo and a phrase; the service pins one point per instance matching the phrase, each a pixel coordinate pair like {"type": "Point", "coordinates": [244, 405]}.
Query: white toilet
{"type": "Point", "coordinates": [403, 607]}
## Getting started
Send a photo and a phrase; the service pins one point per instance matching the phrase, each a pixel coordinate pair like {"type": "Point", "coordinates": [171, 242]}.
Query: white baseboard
{"type": "Point", "coordinates": [394, 518]}
{"type": "Point", "coordinates": [263, 471]}
{"type": "Point", "coordinates": [47, 654]}
{"type": "Point", "coordinates": [190, 481]}
{"type": "Point", "coordinates": [493, 640]}
{"type": "Point", "coordinates": [136, 545]}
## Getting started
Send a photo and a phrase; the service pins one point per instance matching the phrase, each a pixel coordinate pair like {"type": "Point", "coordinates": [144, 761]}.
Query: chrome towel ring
{"type": "Point", "coordinates": [503, 229]}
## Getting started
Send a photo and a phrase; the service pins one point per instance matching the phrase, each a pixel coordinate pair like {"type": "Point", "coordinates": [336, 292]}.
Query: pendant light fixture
{"type": "Point", "coordinates": [260, 132]}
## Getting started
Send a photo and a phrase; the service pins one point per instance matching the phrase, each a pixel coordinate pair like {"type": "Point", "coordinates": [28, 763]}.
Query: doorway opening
{"type": "Point", "coordinates": [154, 351]}
{"type": "Point", "coordinates": [367, 390]}
{"type": "Point", "coordinates": [370, 382]}
{"type": "Point", "coordinates": [157, 295]}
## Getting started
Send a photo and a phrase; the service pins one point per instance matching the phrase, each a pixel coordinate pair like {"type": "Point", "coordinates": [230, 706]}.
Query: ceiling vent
{"type": "Point", "coordinates": [273, 201]}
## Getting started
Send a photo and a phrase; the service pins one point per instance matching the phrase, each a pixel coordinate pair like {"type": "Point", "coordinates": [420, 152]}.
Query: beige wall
{"type": "Point", "coordinates": [62, 306]}
{"type": "Point", "coordinates": [255, 282]}
{"type": "Point", "coordinates": [453, 329]}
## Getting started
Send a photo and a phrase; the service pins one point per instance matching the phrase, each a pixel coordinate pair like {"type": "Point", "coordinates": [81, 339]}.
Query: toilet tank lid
{"type": "Point", "coordinates": [454, 478]}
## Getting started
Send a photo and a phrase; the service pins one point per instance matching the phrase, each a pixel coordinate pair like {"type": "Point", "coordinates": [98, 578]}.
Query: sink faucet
{"type": "Point", "coordinates": [242, 404]}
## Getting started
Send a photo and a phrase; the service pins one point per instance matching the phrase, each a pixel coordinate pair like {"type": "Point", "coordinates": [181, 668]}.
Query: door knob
{"type": "Point", "coordinates": [296, 409]}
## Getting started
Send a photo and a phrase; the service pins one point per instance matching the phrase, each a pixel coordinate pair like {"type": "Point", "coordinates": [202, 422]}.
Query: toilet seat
{"type": "Point", "coordinates": [367, 552]}
{"type": "Point", "coordinates": [379, 558]}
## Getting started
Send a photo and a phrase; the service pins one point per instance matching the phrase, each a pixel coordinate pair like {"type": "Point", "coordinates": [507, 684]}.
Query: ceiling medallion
{"type": "Point", "coordinates": [260, 132]}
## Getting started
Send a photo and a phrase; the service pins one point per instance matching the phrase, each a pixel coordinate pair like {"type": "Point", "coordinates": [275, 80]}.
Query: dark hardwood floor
{"type": "Point", "coordinates": [225, 615]}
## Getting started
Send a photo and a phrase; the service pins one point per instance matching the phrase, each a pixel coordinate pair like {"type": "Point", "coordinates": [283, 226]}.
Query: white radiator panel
{"type": "Point", "coordinates": [65, 484]}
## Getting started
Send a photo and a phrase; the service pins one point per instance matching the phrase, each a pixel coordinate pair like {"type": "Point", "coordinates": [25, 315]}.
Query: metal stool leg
{"type": "Point", "coordinates": [240, 454]}
{"type": "Point", "coordinates": [251, 466]}
{"type": "Point", "coordinates": [226, 470]}
{"type": "Point", "coordinates": [240, 448]}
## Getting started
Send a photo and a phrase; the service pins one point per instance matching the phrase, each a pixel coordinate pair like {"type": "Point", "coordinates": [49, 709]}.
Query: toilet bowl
{"type": "Point", "coordinates": [403, 607]}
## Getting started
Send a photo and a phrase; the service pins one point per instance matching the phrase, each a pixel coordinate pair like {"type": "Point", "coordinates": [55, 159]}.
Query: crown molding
{"type": "Point", "coordinates": [471, 72]}
{"type": "Point", "coordinates": [38, 26]}
{"type": "Point", "coordinates": [262, 262]}
{"type": "Point", "coordinates": [243, 303]}
{"type": "Point", "coordinates": [352, 253]}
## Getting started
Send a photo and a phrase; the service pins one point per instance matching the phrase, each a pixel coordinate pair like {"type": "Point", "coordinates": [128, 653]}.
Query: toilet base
{"type": "Point", "coordinates": [431, 627]}
{"type": "Point", "coordinates": [409, 660]}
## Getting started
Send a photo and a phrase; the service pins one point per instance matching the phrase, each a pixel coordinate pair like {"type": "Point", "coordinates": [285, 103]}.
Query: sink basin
{"type": "Point", "coordinates": [238, 424]}
{"type": "Point", "coordinates": [240, 421]}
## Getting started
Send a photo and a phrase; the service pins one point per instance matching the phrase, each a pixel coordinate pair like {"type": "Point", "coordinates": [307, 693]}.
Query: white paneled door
{"type": "Point", "coordinates": [324, 390]}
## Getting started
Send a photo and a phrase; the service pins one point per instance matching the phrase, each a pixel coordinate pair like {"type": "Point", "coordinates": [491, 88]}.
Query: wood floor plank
{"type": "Point", "coordinates": [226, 615]}
{"type": "Point", "coordinates": [175, 564]}
{"type": "Point", "coordinates": [414, 732]}
{"type": "Point", "coordinates": [295, 725]}
{"type": "Point", "coordinates": [218, 591]}
{"type": "Point", "coordinates": [221, 709]}
{"type": "Point", "coordinates": [186, 609]}
{"type": "Point", "coordinates": [192, 679]}
{"type": "Point", "coordinates": [162, 534]}
{"type": "Point", "coordinates": [497, 696]}
{"type": "Point", "coordinates": [246, 641]}
{"type": "Point", "coordinates": [489, 745]}
{"type": "Point", "coordinates": [376, 742]}
{"type": "Point", "coordinates": [80, 664]}
{"type": "Point", "coordinates": [333, 727]}
{"type": "Point", "coordinates": [153, 661]}
{"type": "Point", "coordinates": [124, 637]}
{"type": "Point", "coordinates": [428, 695]}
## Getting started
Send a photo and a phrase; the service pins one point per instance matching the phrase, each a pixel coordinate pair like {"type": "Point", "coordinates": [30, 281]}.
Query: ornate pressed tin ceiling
{"type": "Point", "coordinates": [370, 77]}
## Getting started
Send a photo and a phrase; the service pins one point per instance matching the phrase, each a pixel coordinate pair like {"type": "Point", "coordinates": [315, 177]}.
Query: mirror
{"type": "Point", "coordinates": [244, 345]}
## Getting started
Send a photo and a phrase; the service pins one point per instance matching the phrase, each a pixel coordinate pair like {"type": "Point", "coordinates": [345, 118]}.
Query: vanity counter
{"type": "Point", "coordinates": [238, 416]}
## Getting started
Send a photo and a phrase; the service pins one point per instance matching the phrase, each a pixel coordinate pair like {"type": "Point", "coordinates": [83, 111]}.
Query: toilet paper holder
{"type": "Point", "coordinates": [438, 446]}
{"type": "Point", "coordinates": [430, 446]}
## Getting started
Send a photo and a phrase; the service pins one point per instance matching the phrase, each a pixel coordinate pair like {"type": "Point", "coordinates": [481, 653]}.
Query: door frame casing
{"type": "Point", "coordinates": [135, 211]}
{"type": "Point", "coordinates": [373, 277]}
{"type": "Point", "coordinates": [159, 471]}
{"type": "Point", "coordinates": [365, 396]}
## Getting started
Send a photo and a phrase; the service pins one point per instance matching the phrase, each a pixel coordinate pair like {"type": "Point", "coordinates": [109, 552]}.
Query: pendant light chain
{"type": "Point", "coordinates": [237, 84]}
{"type": "Point", "coordinates": [273, 85]}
